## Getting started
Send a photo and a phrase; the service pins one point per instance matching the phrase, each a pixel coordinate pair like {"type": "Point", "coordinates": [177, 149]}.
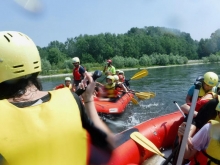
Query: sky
{"type": "Point", "coordinates": [45, 21]}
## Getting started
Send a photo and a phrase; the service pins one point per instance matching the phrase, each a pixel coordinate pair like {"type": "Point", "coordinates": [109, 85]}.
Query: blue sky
{"type": "Point", "coordinates": [62, 19]}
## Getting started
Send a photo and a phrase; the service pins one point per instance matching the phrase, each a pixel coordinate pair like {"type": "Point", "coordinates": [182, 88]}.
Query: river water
{"type": "Point", "coordinates": [169, 83]}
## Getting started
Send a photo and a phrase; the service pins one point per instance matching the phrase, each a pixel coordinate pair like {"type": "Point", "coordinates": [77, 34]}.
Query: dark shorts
{"type": "Point", "coordinates": [76, 82]}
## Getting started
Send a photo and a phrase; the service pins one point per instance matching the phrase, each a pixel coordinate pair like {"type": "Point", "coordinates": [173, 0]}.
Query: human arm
{"type": "Point", "coordinates": [124, 88]}
{"type": "Point", "coordinates": [190, 94]}
{"type": "Point", "coordinates": [100, 84]}
{"type": "Point", "coordinates": [91, 110]}
{"type": "Point", "coordinates": [199, 142]}
{"type": "Point", "coordinates": [105, 68]}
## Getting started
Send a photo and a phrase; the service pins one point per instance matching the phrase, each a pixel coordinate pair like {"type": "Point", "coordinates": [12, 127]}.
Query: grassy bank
{"type": "Point", "coordinates": [190, 62]}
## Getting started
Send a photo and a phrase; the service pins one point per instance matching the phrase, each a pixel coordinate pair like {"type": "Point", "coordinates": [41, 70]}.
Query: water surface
{"type": "Point", "coordinates": [169, 83]}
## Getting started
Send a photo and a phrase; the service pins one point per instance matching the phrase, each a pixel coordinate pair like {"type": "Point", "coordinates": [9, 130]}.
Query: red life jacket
{"type": "Point", "coordinates": [60, 86]}
{"type": "Point", "coordinates": [76, 74]}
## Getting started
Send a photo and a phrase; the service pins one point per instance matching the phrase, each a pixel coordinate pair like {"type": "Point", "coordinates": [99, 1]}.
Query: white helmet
{"type": "Point", "coordinates": [67, 79]}
{"type": "Point", "coordinates": [121, 72]}
{"type": "Point", "coordinates": [116, 77]}
{"type": "Point", "coordinates": [75, 60]}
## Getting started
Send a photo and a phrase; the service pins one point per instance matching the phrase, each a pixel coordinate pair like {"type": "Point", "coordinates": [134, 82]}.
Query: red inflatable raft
{"type": "Point", "coordinates": [118, 107]}
{"type": "Point", "coordinates": [161, 131]}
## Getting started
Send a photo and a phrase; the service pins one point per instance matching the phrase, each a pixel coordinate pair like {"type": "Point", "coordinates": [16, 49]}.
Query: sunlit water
{"type": "Point", "coordinates": [169, 83]}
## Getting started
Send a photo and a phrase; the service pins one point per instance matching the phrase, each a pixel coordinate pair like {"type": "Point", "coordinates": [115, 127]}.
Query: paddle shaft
{"type": "Point", "coordinates": [188, 123]}
{"type": "Point", "coordinates": [168, 160]}
{"type": "Point", "coordinates": [179, 109]}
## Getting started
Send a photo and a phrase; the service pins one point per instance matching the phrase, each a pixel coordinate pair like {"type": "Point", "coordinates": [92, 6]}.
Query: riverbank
{"type": "Point", "coordinates": [190, 62]}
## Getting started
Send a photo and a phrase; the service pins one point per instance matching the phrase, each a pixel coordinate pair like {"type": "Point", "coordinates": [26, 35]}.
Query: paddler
{"type": "Point", "coordinates": [78, 73]}
{"type": "Point", "coordinates": [209, 80]}
{"type": "Point", "coordinates": [109, 69]}
{"type": "Point", "coordinates": [67, 84]}
{"type": "Point", "coordinates": [45, 127]}
{"type": "Point", "coordinates": [206, 140]}
{"type": "Point", "coordinates": [108, 91]}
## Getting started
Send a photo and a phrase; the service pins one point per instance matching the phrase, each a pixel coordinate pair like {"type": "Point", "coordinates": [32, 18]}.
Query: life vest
{"type": "Point", "coordinates": [63, 86]}
{"type": "Point", "coordinates": [218, 109]}
{"type": "Point", "coordinates": [212, 151]}
{"type": "Point", "coordinates": [111, 69]}
{"type": "Point", "coordinates": [200, 102]}
{"type": "Point", "coordinates": [202, 92]}
{"type": "Point", "coordinates": [48, 133]}
{"type": "Point", "coordinates": [111, 91]}
{"type": "Point", "coordinates": [76, 74]}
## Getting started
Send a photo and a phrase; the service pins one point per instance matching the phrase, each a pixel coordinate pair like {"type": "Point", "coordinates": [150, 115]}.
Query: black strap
{"type": "Point", "coordinates": [196, 162]}
{"type": "Point", "coordinates": [216, 161]}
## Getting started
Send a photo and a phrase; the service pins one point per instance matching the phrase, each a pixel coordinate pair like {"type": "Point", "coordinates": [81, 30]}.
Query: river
{"type": "Point", "coordinates": [169, 83]}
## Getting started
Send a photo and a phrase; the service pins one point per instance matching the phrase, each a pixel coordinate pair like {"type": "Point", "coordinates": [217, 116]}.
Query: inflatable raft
{"type": "Point", "coordinates": [161, 131]}
{"type": "Point", "coordinates": [118, 107]}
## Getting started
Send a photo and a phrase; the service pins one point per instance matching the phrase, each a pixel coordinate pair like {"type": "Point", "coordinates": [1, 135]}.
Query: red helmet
{"type": "Point", "coordinates": [109, 61]}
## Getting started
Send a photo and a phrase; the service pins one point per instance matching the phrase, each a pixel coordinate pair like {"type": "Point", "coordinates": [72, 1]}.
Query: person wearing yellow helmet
{"type": "Point", "coordinates": [44, 127]}
{"type": "Point", "coordinates": [209, 80]}
{"type": "Point", "coordinates": [108, 91]}
{"type": "Point", "coordinates": [67, 83]}
{"type": "Point", "coordinates": [78, 73]}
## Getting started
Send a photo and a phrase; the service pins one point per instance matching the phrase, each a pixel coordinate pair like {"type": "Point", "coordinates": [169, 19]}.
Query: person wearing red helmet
{"type": "Point", "coordinates": [109, 69]}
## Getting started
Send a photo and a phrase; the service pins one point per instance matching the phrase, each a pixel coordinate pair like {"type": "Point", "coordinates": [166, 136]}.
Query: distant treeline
{"type": "Point", "coordinates": [139, 47]}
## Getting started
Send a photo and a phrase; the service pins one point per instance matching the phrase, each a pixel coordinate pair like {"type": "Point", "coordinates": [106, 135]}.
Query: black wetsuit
{"type": "Point", "coordinates": [206, 113]}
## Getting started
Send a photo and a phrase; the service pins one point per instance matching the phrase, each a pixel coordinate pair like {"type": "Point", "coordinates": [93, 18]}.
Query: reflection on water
{"type": "Point", "coordinates": [169, 83]}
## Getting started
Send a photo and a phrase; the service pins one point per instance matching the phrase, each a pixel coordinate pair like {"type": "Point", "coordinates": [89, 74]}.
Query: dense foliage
{"type": "Point", "coordinates": [138, 47]}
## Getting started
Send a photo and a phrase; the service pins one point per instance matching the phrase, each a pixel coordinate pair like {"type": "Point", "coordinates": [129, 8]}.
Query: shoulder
{"type": "Point", "coordinates": [81, 68]}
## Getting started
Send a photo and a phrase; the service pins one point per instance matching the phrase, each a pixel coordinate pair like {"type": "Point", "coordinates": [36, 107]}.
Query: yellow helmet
{"type": "Point", "coordinates": [18, 56]}
{"type": "Point", "coordinates": [111, 78]}
{"type": "Point", "coordinates": [75, 60]}
{"type": "Point", "coordinates": [211, 79]}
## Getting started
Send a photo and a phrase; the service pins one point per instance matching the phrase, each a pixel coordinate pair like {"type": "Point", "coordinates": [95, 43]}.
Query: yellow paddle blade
{"type": "Point", "coordinates": [146, 143]}
{"type": "Point", "coordinates": [140, 74]}
{"type": "Point", "coordinates": [134, 101]}
{"type": "Point", "coordinates": [145, 95]}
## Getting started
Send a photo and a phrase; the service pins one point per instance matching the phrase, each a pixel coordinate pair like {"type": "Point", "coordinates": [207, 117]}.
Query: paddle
{"type": "Point", "coordinates": [146, 143]}
{"type": "Point", "coordinates": [145, 95]}
{"type": "Point", "coordinates": [189, 121]}
{"type": "Point", "coordinates": [179, 109]}
{"type": "Point", "coordinates": [139, 75]}
{"type": "Point", "coordinates": [133, 100]}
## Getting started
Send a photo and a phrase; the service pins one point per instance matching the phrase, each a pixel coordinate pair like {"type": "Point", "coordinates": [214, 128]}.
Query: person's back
{"type": "Point", "coordinates": [40, 127]}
